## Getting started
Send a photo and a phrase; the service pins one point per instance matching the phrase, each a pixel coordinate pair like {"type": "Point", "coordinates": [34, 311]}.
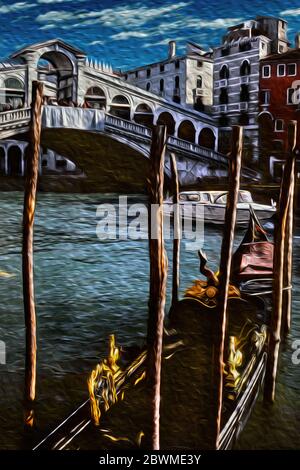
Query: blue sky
{"type": "Point", "coordinates": [128, 33]}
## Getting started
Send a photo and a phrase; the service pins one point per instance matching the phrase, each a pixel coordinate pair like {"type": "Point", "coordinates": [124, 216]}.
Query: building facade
{"type": "Point", "coordinates": [236, 78]}
{"type": "Point", "coordinates": [279, 104]}
{"type": "Point", "coordinates": [185, 79]}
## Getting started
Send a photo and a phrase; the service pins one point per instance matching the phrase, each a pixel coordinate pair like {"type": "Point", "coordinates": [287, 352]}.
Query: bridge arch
{"type": "Point", "coordinates": [56, 69]}
{"type": "Point", "coordinates": [168, 120]}
{"type": "Point", "coordinates": [14, 160]}
{"type": "Point", "coordinates": [2, 161]}
{"type": "Point", "coordinates": [14, 94]}
{"type": "Point", "coordinates": [120, 107]}
{"type": "Point", "coordinates": [95, 97]}
{"type": "Point", "coordinates": [207, 138]}
{"type": "Point", "coordinates": [187, 131]}
{"type": "Point", "coordinates": [143, 114]}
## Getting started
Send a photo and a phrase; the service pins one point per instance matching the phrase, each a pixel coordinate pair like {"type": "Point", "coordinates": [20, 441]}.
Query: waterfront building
{"type": "Point", "coordinates": [185, 79]}
{"type": "Point", "coordinates": [279, 104]}
{"type": "Point", "coordinates": [236, 78]}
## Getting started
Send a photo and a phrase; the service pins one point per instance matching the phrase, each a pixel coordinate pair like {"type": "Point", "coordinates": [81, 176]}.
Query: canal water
{"type": "Point", "coordinates": [87, 289]}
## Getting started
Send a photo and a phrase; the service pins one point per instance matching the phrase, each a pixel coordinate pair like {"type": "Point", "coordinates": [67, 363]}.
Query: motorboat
{"type": "Point", "coordinates": [210, 206]}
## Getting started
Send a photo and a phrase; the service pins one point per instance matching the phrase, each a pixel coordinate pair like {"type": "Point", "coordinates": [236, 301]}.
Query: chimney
{"type": "Point", "coordinates": [172, 49]}
{"type": "Point", "coordinates": [297, 41]}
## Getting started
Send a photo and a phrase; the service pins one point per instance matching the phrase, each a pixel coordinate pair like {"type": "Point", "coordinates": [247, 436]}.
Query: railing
{"type": "Point", "coordinates": [195, 148]}
{"type": "Point", "coordinates": [120, 123]}
{"type": "Point", "coordinates": [18, 116]}
{"type": "Point", "coordinates": [15, 116]}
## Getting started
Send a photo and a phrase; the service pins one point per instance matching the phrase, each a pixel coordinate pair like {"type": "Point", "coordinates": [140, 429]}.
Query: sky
{"type": "Point", "coordinates": [129, 33]}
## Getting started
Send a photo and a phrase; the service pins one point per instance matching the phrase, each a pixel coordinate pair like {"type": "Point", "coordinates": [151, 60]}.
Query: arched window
{"type": "Point", "coordinates": [245, 68]}
{"type": "Point", "coordinates": [199, 81]}
{"type": "Point", "coordinates": [144, 115]}
{"type": "Point", "coordinates": [224, 72]}
{"type": "Point", "coordinates": [95, 98]}
{"type": "Point", "coordinates": [13, 94]}
{"type": "Point", "coordinates": [148, 86]}
{"type": "Point", "coordinates": [161, 85]}
{"type": "Point", "coordinates": [223, 96]}
{"type": "Point", "coordinates": [167, 119]}
{"type": "Point", "coordinates": [207, 138]}
{"type": "Point", "coordinates": [186, 131]}
{"type": "Point", "coordinates": [120, 107]}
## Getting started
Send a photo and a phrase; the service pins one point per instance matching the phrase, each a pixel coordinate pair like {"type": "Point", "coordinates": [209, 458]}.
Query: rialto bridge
{"type": "Point", "coordinates": [97, 120]}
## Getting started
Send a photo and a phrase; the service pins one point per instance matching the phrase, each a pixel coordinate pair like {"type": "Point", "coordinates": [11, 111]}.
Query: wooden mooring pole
{"type": "Point", "coordinates": [224, 277]}
{"type": "Point", "coordinates": [27, 251]}
{"type": "Point", "coordinates": [288, 246]}
{"type": "Point", "coordinates": [158, 277]}
{"type": "Point", "coordinates": [285, 199]}
{"type": "Point", "coordinates": [176, 230]}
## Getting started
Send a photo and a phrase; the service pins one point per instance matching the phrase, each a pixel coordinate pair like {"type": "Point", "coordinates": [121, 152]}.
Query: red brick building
{"type": "Point", "coordinates": [279, 104]}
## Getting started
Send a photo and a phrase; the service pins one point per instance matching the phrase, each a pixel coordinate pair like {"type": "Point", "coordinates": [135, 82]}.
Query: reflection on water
{"type": "Point", "coordinates": [87, 289]}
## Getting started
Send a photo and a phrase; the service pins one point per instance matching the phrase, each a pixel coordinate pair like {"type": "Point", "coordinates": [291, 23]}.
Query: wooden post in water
{"type": "Point", "coordinates": [288, 248]}
{"type": "Point", "coordinates": [176, 229]}
{"type": "Point", "coordinates": [279, 266]}
{"type": "Point", "coordinates": [224, 275]}
{"type": "Point", "coordinates": [158, 276]}
{"type": "Point", "coordinates": [27, 252]}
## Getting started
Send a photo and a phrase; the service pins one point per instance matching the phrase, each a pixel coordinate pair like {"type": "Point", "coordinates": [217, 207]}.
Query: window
{"type": "Point", "coordinates": [177, 64]}
{"type": "Point", "coordinates": [224, 72]}
{"type": "Point", "coordinates": [148, 73]}
{"type": "Point", "coordinates": [265, 97]}
{"type": "Point", "coordinates": [244, 93]}
{"type": "Point", "coordinates": [279, 125]}
{"type": "Point", "coordinates": [291, 69]}
{"type": "Point", "coordinates": [161, 85]}
{"type": "Point", "coordinates": [281, 49]}
{"type": "Point", "coordinates": [125, 76]}
{"type": "Point", "coordinates": [245, 68]}
{"type": "Point", "coordinates": [199, 63]}
{"type": "Point", "coordinates": [177, 81]}
{"type": "Point", "coordinates": [223, 96]}
{"type": "Point", "coordinates": [290, 95]}
{"type": "Point", "coordinates": [161, 68]}
{"type": "Point", "coordinates": [137, 74]}
{"type": "Point", "coordinates": [266, 71]}
{"type": "Point", "coordinates": [281, 70]}
{"type": "Point", "coordinates": [148, 86]}
{"type": "Point", "coordinates": [199, 81]}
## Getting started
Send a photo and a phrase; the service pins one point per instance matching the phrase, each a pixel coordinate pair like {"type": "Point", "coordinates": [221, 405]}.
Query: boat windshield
{"type": "Point", "coordinates": [192, 197]}
{"type": "Point", "coordinates": [245, 196]}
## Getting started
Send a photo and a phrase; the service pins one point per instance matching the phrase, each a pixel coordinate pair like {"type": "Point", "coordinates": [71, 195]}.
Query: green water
{"type": "Point", "coordinates": [87, 289]}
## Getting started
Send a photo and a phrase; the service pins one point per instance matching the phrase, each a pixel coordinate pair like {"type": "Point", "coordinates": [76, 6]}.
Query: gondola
{"type": "Point", "coordinates": [187, 363]}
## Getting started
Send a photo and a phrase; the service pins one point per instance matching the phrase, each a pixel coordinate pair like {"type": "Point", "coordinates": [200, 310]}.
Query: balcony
{"type": "Point", "coordinates": [199, 92]}
{"type": "Point", "coordinates": [244, 79]}
{"type": "Point", "coordinates": [244, 106]}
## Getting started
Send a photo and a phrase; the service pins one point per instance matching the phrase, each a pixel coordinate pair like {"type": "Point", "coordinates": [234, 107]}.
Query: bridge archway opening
{"type": "Point", "coordinates": [207, 138]}
{"type": "Point", "coordinates": [120, 107]}
{"type": "Point", "coordinates": [14, 160]}
{"type": "Point", "coordinates": [55, 70]}
{"type": "Point", "coordinates": [143, 115]}
{"type": "Point", "coordinates": [2, 161]}
{"type": "Point", "coordinates": [95, 98]}
{"type": "Point", "coordinates": [13, 94]}
{"type": "Point", "coordinates": [187, 131]}
{"type": "Point", "coordinates": [166, 119]}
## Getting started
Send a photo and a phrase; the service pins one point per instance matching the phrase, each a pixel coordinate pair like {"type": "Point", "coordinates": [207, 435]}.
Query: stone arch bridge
{"type": "Point", "coordinates": [96, 119]}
